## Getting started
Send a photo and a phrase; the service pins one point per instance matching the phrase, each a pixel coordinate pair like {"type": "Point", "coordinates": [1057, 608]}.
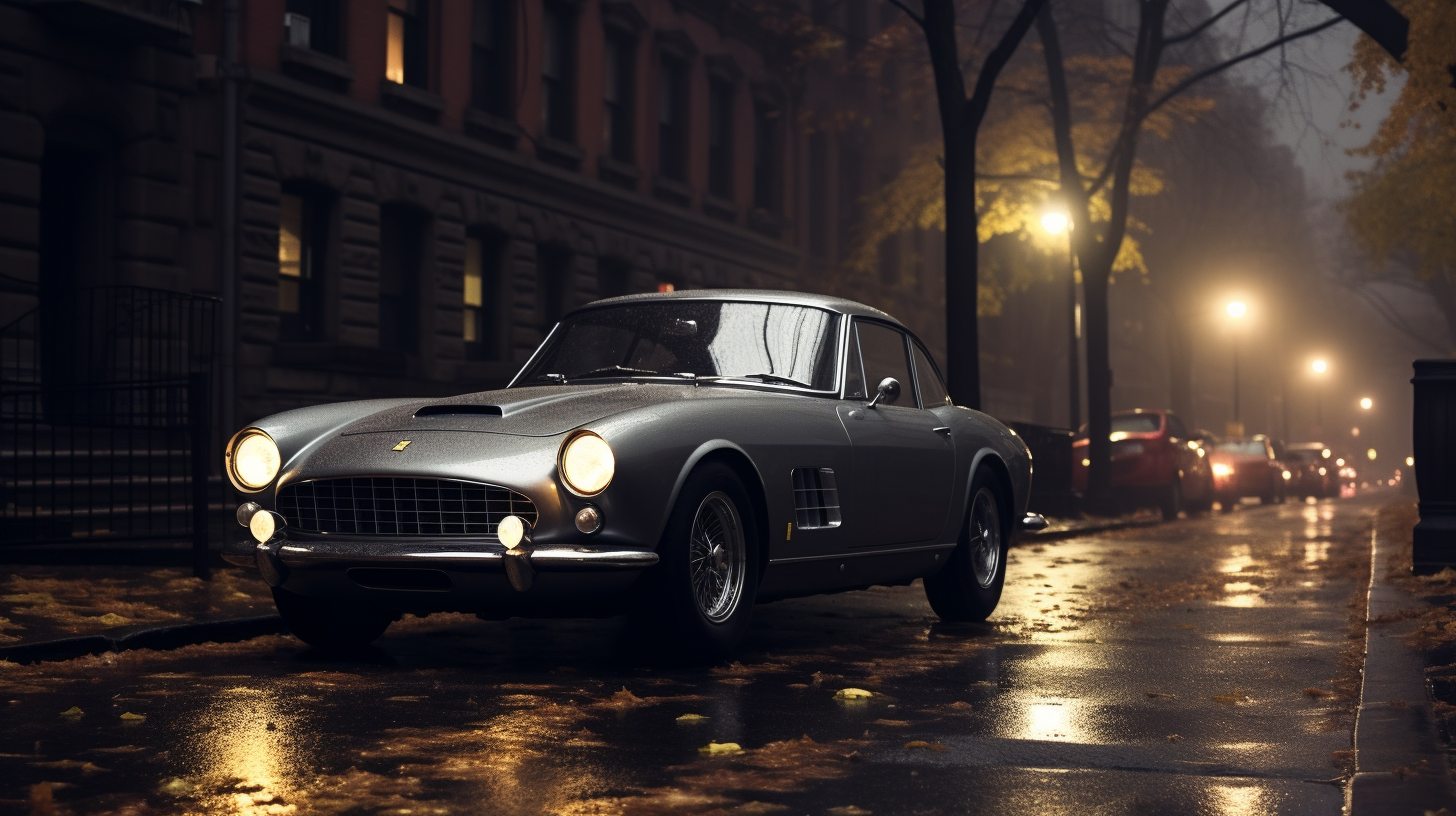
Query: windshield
{"type": "Point", "coordinates": [1249, 448]}
{"type": "Point", "coordinates": [1137, 423]}
{"type": "Point", "coordinates": [773, 343]}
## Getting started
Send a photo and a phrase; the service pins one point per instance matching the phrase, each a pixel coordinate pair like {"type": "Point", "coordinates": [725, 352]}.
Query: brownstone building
{"type": "Point", "coordinates": [400, 196]}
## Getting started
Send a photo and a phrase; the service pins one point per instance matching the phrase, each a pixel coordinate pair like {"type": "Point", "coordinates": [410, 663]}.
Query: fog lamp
{"type": "Point", "coordinates": [246, 510]}
{"type": "Point", "coordinates": [264, 524]}
{"type": "Point", "coordinates": [511, 531]}
{"type": "Point", "coordinates": [588, 519]}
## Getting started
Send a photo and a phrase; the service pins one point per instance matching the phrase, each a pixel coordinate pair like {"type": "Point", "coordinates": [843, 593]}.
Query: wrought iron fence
{"type": "Point", "coordinates": [105, 418]}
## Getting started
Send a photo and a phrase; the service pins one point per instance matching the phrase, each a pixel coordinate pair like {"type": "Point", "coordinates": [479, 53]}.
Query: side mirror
{"type": "Point", "coordinates": [889, 391]}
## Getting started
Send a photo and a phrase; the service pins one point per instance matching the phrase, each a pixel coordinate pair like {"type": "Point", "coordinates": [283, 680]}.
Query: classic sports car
{"type": "Point", "coordinates": [678, 455]}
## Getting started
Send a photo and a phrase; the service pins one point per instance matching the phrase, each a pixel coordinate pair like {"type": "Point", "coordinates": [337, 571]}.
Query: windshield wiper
{"type": "Point", "coordinates": [556, 378]}
{"type": "Point", "coordinates": [625, 371]}
{"type": "Point", "coordinates": [772, 378]}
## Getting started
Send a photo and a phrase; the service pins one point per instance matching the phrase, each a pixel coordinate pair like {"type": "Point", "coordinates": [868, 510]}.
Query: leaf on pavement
{"type": "Point", "coordinates": [721, 749]}
{"type": "Point", "coordinates": [849, 810]}
{"type": "Point", "coordinates": [73, 711]}
{"type": "Point", "coordinates": [690, 718]}
{"type": "Point", "coordinates": [853, 694]}
{"type": "Point", "coordinates": [1173, 738]}
{"type": "Point", "coordinates": [929, 746]}
{"type": "Point", "coordinates": [130, 717]}
{"type": "Point", "coordinates": [1318, 693]}
{"type": "Point", "coordinates": [177, 786]}
{"type": "Point", "coordinates": [891, 723]}
{"type": "Point", "coordinates": [1162, 695]}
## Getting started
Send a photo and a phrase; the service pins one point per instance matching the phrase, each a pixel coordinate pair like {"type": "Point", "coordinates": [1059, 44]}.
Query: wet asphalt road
{"type": "Point", "coordinates": [1200, 667]}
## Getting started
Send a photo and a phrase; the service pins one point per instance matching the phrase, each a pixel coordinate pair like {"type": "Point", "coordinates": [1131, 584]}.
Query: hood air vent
{"type": "Point", "coordinates": [459, 410]}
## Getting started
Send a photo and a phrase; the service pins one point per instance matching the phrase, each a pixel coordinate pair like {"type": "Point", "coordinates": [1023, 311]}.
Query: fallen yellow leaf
{"type": "Point", "coordinates": [929, 746]}
{"type": "Point", "coordinates": [73, 711]}
{"type": "Point", "coordinates": [133, 717]}
{"type": "Point", "coordinates": [853, 694]}
{"type": "Point", "coordinates": [691, 718]}
{"type": "Point", "coordinates": [721, 749]}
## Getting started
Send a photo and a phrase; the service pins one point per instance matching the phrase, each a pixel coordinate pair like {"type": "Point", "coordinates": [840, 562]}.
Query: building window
{"type": "Point", "coordinates": [617, 98]}
{"type": "Point", "coordinates": [401, 253]}
{"type": "Point", "coordinates": [301, 242]}
{"type": "Point", "coordinates": [672, 124]}
{"type": "Point", "coordinates": [767, 157]}
{"type": "Point", "coordinates": [554, 263]}
{"type": "Point", "coordinates": [314, 24]}
{"type": "Point", "coordinates": [490, 57]}
{"type": "Point", "coordinates": [720, 138]}
{"type": "Point", "coordinates": [614, 277]}
{"type": "Point", "coordinates": [405, 50]}
{"type": "Point", "coordinates": [482, 326]}
{"type": "Point", "coordinates": [558, 90]}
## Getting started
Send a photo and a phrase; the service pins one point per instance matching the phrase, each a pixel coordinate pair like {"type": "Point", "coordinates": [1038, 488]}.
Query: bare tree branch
{"type": "Point", "coordinates": [1199, 29]}
{"type": "Point", "coordinates": [920, 21]}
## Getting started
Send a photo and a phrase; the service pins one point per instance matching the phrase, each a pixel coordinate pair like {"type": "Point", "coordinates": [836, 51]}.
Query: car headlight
{"type": "Point", "coordinates": [1222, 471]}
{"type": "Point", "coordinates": [252, 460]}
{"type": "Point", "coordinates": [587, 464]}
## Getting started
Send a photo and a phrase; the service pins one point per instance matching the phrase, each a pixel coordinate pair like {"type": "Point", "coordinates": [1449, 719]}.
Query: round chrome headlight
{"type": "Point", "coordinates": [587, 464]}
{"type": "Point", "coordinates": [252, 460]}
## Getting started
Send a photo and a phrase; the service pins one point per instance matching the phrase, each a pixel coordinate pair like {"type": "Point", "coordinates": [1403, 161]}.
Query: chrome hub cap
{"type": "Point", "coordinates": [717, 557]}
{"type": "Point", "coordinates": [985, 538]}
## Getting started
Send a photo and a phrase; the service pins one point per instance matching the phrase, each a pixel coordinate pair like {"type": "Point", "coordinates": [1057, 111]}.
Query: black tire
{"type": "Point", "coordinates": [330, 625]}
{"type": "Point", "coordinates": [700, 609]}
{"type": "Point", "coordinates": [969, 586]}
{"type": "Point", "coordinates": [1172, 501]}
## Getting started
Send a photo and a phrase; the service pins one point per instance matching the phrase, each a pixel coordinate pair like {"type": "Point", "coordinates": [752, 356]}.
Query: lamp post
{"type": "Point", "coordinates": [1319, 367]}
{"type": "Point", "coordinates": [1055, 222]}
{"type": "Point", "coordinates": [1236, 310]}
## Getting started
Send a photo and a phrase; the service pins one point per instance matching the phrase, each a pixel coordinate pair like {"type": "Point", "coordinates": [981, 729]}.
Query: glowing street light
{"type": "Point", "coordinates": [1054, 222]}
{"type": "Point", "coordinates": [1319, 366]}
{"type": "Point", "coordinates": [1237, 309]}
{"type": "Point", "coordinates": [1370, 454]}
{"type": "Point", "coordinates": [1366, 403]}
{"type": "Point", "coordinates": [1410, 461]}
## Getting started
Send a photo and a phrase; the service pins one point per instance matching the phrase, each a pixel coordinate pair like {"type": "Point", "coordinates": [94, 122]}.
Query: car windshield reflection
{"type": "Point", "coordinates": [698, 341]}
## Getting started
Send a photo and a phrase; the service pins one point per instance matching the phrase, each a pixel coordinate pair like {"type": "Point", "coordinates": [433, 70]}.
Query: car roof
{"type": "Point", "coordinates": [833, 304]}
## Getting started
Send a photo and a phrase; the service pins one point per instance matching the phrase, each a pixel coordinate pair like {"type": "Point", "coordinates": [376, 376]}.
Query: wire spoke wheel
{"type": "Point", "coordinates": [717, 557]}
{"type": "Point", "coordinates": [985, 541]}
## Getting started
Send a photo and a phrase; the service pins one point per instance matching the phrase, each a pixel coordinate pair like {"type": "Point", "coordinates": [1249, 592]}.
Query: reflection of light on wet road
{"type": "Point", "coordinates": [251, 759]}
{"type": "Point", "coordinates": [1052, 721]}
{"type": "Point", "coordinates": [1240, 557]}
{"type": "Point", "coordinates": [1239, 800]}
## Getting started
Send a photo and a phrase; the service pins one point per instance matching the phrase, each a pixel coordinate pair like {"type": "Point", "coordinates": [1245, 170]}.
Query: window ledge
{"type": "Point", "coordinates": [316, 68]}
{"type": "Point", "coordinates": [618, 172]}
{"type": "Point", "coordinates": [501, 132]}
{"type": "Point", "coordinates": [672, 191]}
{"type": "Point", "coordinates": [339, 357]}
{"type": "Point", "coordinates": [559, 153]}
{"type": "Point", "coordinates": [766, 223]}
{"type": "Point", "coordinates": [416, 102]}
{"type": "Point", "coordinates": [719, 207]}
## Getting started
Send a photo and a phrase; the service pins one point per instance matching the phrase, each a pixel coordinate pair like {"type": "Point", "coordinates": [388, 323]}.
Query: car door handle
{"type": "Point", "coordinates": [941, 430]}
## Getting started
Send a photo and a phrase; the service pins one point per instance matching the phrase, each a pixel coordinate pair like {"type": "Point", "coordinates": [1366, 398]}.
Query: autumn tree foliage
{"type": "Point", "coordinates": [1403, 210]}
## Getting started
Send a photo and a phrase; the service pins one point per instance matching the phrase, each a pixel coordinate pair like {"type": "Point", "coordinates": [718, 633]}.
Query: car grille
{"type": "Point", "coordinates": [383, 506]}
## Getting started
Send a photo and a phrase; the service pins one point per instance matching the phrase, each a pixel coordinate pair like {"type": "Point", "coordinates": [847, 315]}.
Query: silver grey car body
{"type": "Point", "coordinates": [902, 471]}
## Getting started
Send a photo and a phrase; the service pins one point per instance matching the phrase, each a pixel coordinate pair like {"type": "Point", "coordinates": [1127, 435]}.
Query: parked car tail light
{"type": "Point", "coordinates": [1222, 470]}
{"type": "Point", "coordinates": [252, 460]}
{"type": "Point", "coordinates": [587, 464]}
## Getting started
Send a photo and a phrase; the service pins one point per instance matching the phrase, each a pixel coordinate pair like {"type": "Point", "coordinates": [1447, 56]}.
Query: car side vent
{"type": "Point", "coordinates": [816, 498]}
{"type": "Point", "coordinates": [447, 410]}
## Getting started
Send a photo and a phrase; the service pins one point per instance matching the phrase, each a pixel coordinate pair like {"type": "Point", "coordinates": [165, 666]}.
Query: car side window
{"type": "Point", "coordinates": [883, 351]}
{"type": "Point", "coordinates": [1175, 427]}
{"type": "Point", "coordinates": [854, 382]}
{"type": "Point", "coordinates": [933, 393]}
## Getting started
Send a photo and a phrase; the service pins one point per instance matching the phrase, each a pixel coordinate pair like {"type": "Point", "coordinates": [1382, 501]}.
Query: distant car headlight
{"type": "Point", "coordinates": [1222, 471]}
{"type": "Point", "coordinates": [587, 464]}
{"type": "Point", "coordinates": [1288, 475]}
{"type": "Point", "coordinates": [252, 460]}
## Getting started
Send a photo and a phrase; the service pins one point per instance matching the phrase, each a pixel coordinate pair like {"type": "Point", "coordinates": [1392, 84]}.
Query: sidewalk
{"type": "Point", "coordinates": [58, 611]}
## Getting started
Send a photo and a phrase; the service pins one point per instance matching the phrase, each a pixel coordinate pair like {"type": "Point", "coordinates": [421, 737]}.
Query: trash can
{"type": "Point", "coordinates": [1051, 476]}
{"type": "Point", "coordinates": [1433, 433]}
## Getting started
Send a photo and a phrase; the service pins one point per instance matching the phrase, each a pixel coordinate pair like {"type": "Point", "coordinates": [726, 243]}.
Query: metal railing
{"type": "Point", "coordinates": [105, 419]}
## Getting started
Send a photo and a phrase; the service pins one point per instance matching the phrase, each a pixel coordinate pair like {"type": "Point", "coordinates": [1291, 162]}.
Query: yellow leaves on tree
{"type": "Point", "coordinates": [1406, 204]}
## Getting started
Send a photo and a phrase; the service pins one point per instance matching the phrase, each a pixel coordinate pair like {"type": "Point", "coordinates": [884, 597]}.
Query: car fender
{"type": "Point", "coordinates": [694, 459]}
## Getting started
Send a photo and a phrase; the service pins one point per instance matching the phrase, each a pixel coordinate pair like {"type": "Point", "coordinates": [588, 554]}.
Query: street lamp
{"type": "Point", "coordinates": [1236, 310]}
{"type": "Point", "coordinates": [1055, 222]}
{"type": "Point", "coordinates": [1366, 403]}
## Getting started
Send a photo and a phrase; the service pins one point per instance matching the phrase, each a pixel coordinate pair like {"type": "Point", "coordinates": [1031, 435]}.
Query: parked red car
{"type": "Point", "coordinates": [1155, 463]}
{"type": "Point", "coordinates": [1248, 467]}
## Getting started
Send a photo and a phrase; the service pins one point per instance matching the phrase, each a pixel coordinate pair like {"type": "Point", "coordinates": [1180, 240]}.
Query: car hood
{"type": "Point", "coordinates": [537, 411]}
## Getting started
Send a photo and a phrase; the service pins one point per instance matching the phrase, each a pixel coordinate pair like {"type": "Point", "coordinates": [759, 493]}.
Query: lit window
{"type": "Point", "coordinates": [404, 58]}
{"type": "Point", "coordinates": [300, 233]}
{"type": "Point", "coordinates": [480, 330]}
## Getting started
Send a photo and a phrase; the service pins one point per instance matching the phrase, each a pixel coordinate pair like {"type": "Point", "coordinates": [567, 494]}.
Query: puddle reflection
{"type": "Point", "coordinates": [250, 755]}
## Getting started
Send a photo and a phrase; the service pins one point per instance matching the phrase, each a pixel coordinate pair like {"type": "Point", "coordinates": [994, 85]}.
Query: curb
{"type": "Point", "coordinates": [160, 638]}
{"type": "Point", "coordinates": [1401, 766]}
{"type": "Point", "coordinates": [1058, 535]}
